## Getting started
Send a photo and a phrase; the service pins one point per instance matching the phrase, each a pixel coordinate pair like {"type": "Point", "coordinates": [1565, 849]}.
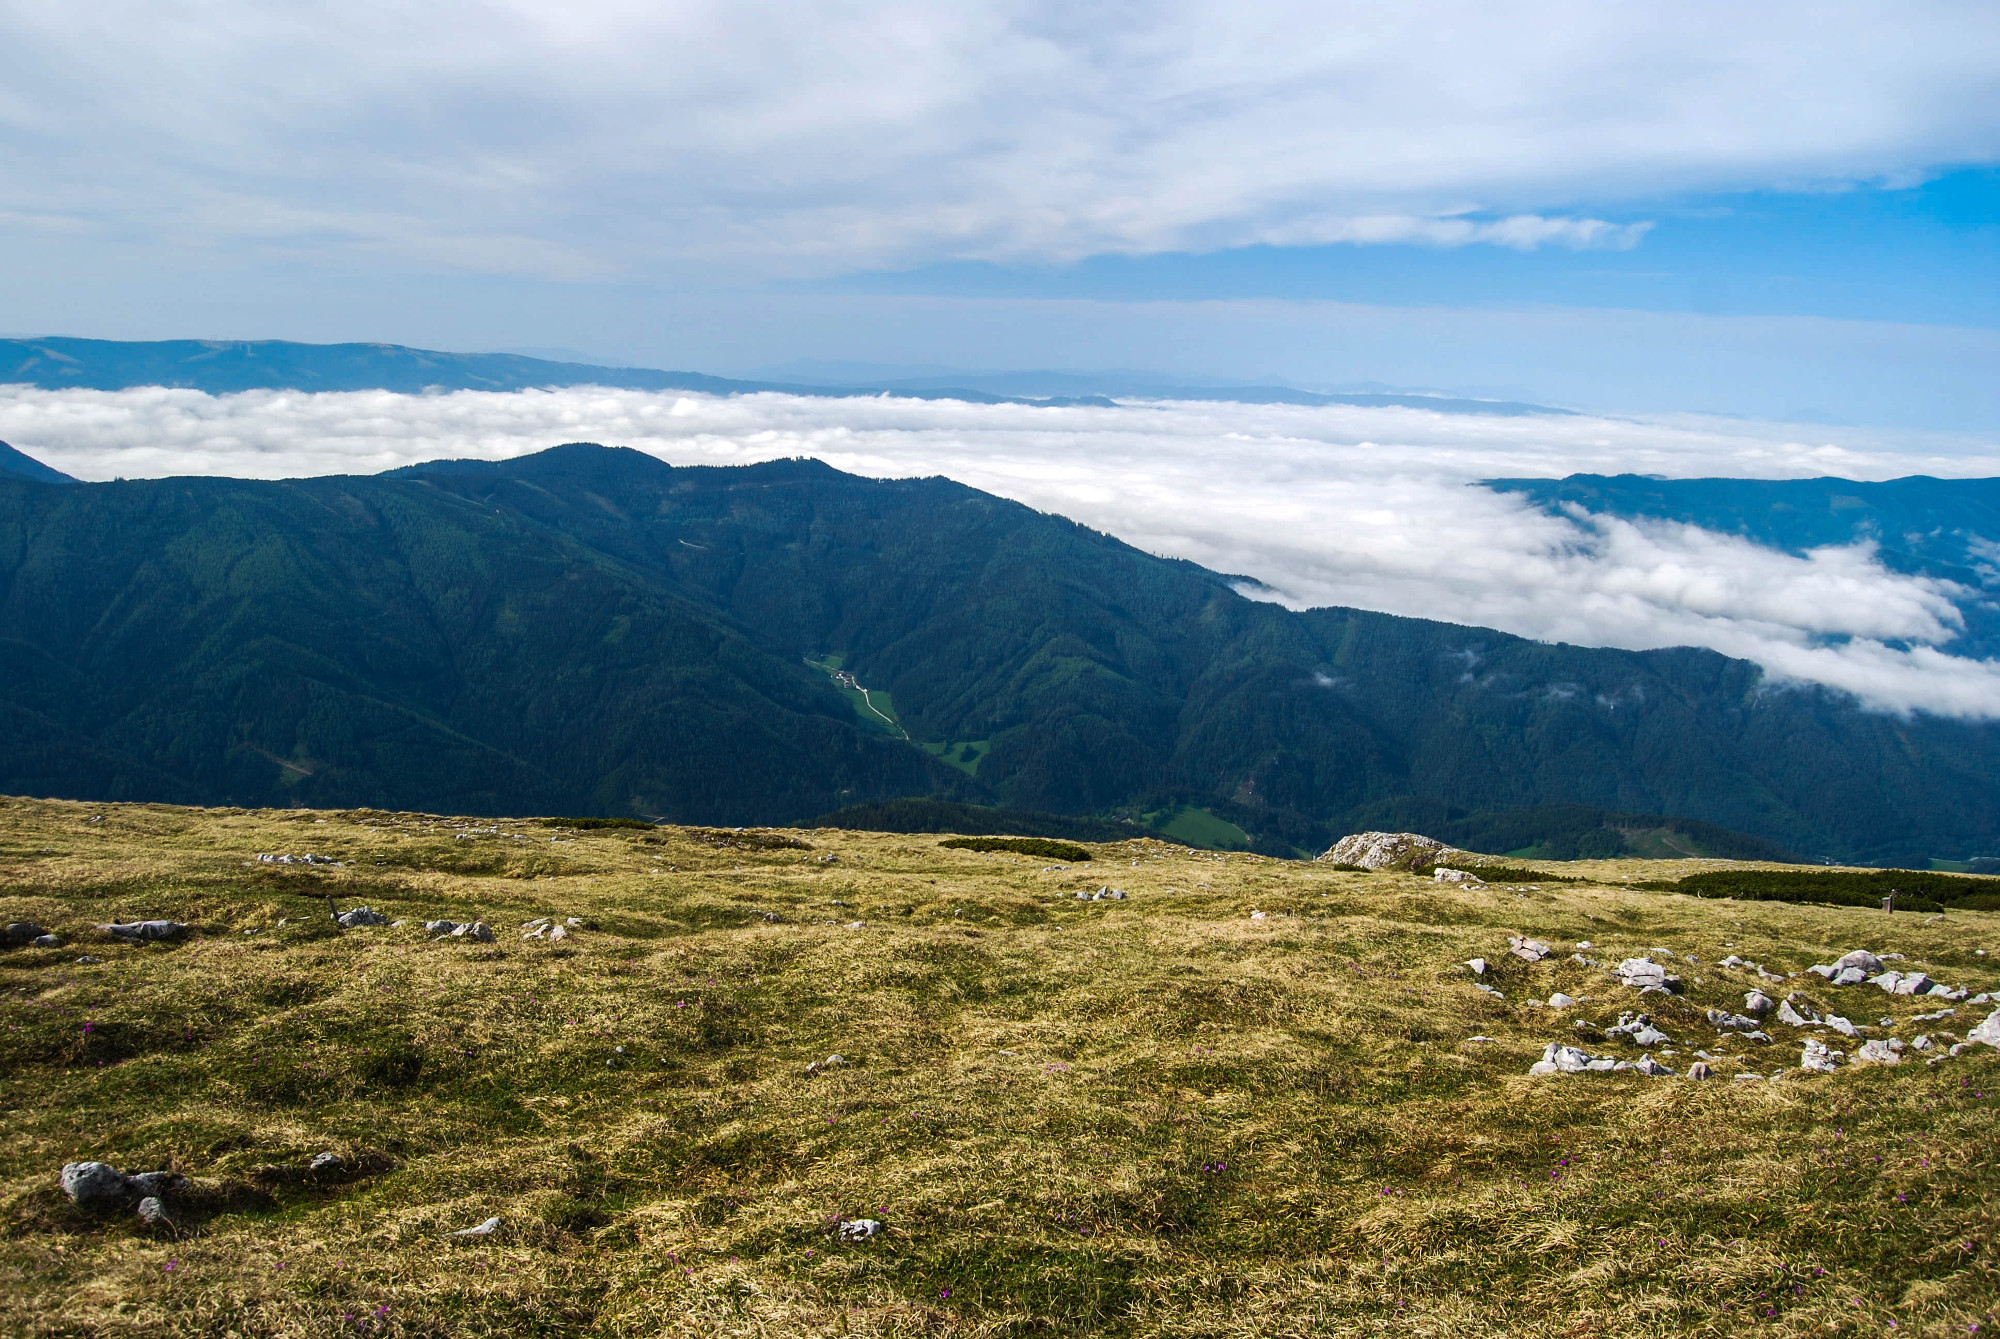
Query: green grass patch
{"type": "Point", "coordinates": [1199, 827]}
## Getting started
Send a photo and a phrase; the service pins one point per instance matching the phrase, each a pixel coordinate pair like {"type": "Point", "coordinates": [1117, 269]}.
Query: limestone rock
{"type": "Point", "coordinates": [477, 930]}
{"type": "Point", "coordinates": [1700, 1070]}
{"type": "Point", "coordinates": [153, 1212]}
{"type": "Point", "coordinates": [360, 916]}
{"type": "Point", "coordinates": [1464, 877]}
{"type": "Point", "coordinates": [1387, 850]}
{"type": "Point", "coordinates": [1861, 958]}
{"type": "Point", "coordinates": [326, 1164]}
{"type": "Point", "coordinates": [1478, 966]}
{"type": "Point", "coordinates": [1652, 1068]}
{"type": "Point", "coordinates": [861, 1229]}
{"type": "Point", "coordinates": [1988, 1032]}
{"type": "Point", "coordinates": [1817, 1057]}
{"type": "Point", "coordinates": [24, 932]}
{"type": "Point", "coordinates": [485, 1229]}
{"type": "Point", "coordinates": [96, 1186]}
{"type": "Point", "coordinates": [1527, 950]}
{"type": "Point", "coordinates": [1758, 1005]}
{"type": "Point", "coordinates": [1879, 1053]}
{"type": "Point", "coordinates": [1639, 1028]}
{"type": "Point", "coordinates": [1723, 1020]}
{"type": "Point", "coordinates": [145, 930]}
{"type": "Point", "coordinates": [46, 941]}
{"type": "Point", "coordinates": [1644, 975]}
{"type": "Point", "coordinates": [1562, 1001]}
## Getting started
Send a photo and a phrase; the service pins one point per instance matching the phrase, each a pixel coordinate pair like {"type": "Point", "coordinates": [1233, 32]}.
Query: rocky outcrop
{"type": "Point", "coordinates": [1388, 850]}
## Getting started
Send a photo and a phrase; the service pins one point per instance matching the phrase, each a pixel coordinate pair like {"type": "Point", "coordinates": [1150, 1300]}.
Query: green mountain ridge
{"type": "Point", "coordinates": [588, 630]}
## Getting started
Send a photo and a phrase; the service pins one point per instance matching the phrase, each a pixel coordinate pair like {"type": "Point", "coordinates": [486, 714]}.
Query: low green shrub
{"type": "Point", "coordinates": [1498, 873]}
{"type": "Point", "coordinates": [1035, 846]}
{"type": "Point", "coordinates": [1915, 890]}
{"type": "Point", "coordinates": [591, 823]}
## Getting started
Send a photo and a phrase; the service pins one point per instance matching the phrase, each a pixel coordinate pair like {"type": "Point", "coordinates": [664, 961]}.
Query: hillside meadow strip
{"type": "Point", "coordinates": [860, 1083]}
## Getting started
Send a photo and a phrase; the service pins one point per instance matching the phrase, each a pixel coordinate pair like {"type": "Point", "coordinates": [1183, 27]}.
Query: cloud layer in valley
{"type": "Point", "coordinates": [1373, 508]}
{"type": "Point", "coordinates": [610, 138]}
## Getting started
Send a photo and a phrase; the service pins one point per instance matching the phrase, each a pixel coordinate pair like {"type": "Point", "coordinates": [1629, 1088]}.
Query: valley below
{"type": "Point", "coordinates": [567, 1077]}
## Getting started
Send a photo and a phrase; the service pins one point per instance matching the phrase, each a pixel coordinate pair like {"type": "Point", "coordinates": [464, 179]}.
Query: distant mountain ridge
{"type": "Point", "coordinates": [589, 630]}
{"type": "Point", "coordinates": [221, 367]}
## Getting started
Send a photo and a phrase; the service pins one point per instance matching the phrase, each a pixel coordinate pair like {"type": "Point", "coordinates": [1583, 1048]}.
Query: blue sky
{"type": "Point", "coordinates": [1927, 253]}
{"type": "Point", "coordinates": [1779, 210]}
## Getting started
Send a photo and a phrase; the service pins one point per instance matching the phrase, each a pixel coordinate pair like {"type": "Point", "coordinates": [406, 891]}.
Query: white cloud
{"type": "Point", "coordinates": [1372, 508]}
{"type": "Point", "coordinates": [610, 136]}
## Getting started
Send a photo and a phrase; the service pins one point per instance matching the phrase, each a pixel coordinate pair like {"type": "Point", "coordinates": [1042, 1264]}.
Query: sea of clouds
{"type": "Point", "coordinates": [1372, 508]}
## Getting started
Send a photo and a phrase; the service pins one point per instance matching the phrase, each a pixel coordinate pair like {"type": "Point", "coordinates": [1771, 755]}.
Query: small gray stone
{"type": "Point", "coordinates": [440, 927]}
{"type": "Point", "coordinates": [145, 930]}
{"type": "Point", "coordinates": [1817, 1057]}
{"type": "Point", "coordinates": [86, 960]}
{"type": "Point", "coordinates": [1528, 950]}
{"type": "Point", "coordinates": [46, 941]}
{"type": "Point", "coordinates": [1879, 1053]}
{"type": "Point", "coordinates": [1478, 966]}
{"type": "Point", "coordinates": [326, 1164]}
{"type": "Point", "coordinates": [1562, 1001]}
{"type": "Point", "coordinates": [359, 916]}
{"type": "Point", "coordinates": [1861, 959]}
{"type": "Point", "coordinates": [861, 1229]}
{"type": "Point", "coordinates": [1840, 1025]}
{"type": "Point", "coordinates": [1758, 1004]}
{"type": "Point", "coordinates": [1700, 1070]}
{"type": "Point", "coordinates": [1639, 1029]}
{"type": "Point", "coordinates": [152, 1212]}
{"type": "Point", "coordinates": [155, 1183]}
{"type": "Point", "coordinates": [96, 1186]}
{"type": "Point", "coordinates": [1562, 1059]}
{"type": "Point", "coordinates": [24, 932]}
{"type": "Point", "coordinates": [1652, 1068]}
{"type": "Point", "coordinates": [1848, 976]}
{"type": "Point", "coordinates": [478, 930]}
{"type": "Point", "coordinates": [485, 1229]}
{"type": "Point", "coordinates": [1790, 1016]}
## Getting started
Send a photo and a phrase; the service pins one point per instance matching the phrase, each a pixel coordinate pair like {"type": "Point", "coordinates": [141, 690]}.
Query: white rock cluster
{"type": "Point", "coordinates": [1388, 850]}
{"type": "Point", "coordinates": [1559, 1058]}
{"type": "Point", "coordinates": [476, 930]}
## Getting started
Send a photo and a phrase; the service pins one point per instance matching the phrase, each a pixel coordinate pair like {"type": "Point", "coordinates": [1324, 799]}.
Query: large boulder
{"type": "Point", "coordinates": [1388, 850]}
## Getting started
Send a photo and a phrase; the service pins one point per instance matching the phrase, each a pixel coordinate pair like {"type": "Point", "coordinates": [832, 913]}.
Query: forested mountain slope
{"type": "Point", "coordinates": [589, 629]}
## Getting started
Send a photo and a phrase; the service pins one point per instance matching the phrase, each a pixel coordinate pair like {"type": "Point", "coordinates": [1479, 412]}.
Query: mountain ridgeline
{"type": "Point", "coordinates": [588, 630]}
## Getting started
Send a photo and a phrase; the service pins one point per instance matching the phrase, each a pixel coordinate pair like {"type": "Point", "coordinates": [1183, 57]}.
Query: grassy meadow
{"type": "Point", "coordinates": [1147, 1117]}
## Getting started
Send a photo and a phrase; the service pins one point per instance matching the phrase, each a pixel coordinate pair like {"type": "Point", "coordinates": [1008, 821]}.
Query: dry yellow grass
{"type": "Point", "coordinates": [1154, 1117]}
